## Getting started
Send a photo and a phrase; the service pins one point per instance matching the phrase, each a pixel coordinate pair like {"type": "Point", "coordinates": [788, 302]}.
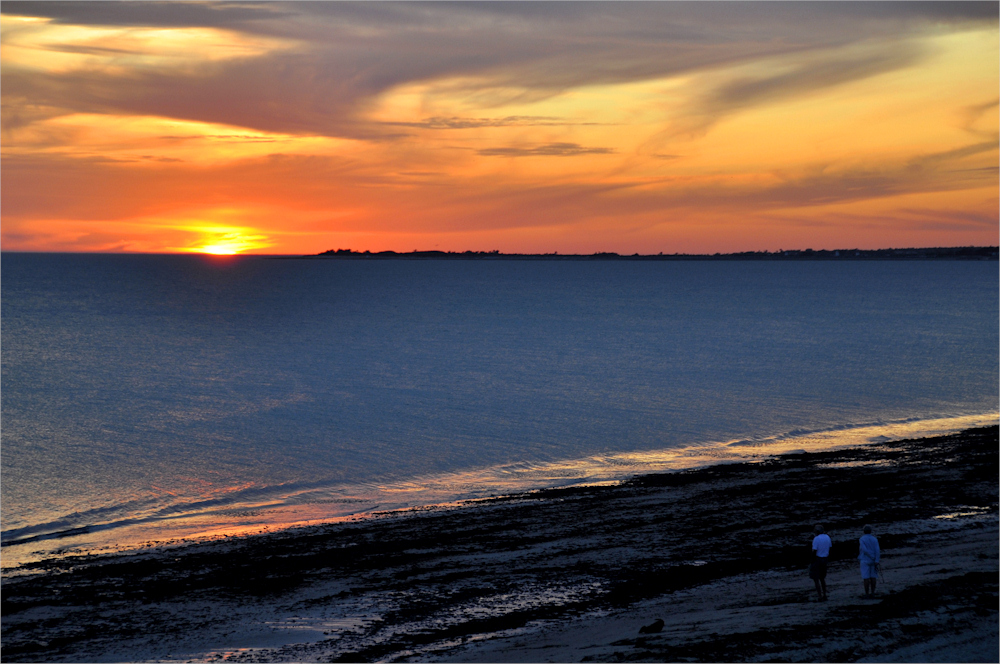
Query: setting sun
{"type": "Point", "coordinates": [225, 242]}
{"type": "Point", "coordinates": [218, 250]}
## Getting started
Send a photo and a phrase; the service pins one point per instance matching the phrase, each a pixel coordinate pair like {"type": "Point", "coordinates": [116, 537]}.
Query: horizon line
{"type": "Point", "coordinates": [842, 252]}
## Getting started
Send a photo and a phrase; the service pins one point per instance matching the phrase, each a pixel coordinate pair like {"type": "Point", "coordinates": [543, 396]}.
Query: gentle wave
{"type": "Point", "coordinates": [283, 506]}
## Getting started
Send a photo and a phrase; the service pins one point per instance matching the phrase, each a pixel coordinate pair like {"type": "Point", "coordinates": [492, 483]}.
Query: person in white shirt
{"type": "Point", "coordinates": [821, 552]}
{"type": "Point", "coordinates": [870, 557]}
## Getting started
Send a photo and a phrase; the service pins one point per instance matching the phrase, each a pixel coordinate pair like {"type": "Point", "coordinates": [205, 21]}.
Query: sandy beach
{"type": "Point", "coordinates": [718, 554]}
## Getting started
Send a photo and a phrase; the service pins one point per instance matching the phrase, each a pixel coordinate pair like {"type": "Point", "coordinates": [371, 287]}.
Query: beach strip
{"type": "Point", "coordinates": [719, 554]}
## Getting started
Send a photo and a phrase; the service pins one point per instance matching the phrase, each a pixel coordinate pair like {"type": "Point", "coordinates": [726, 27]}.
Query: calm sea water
{"type": "Point", "coordinates": [148, 397]}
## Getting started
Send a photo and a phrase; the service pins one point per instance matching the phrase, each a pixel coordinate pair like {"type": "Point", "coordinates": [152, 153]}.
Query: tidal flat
{"type": "Point", "coordinates": [720, 554]}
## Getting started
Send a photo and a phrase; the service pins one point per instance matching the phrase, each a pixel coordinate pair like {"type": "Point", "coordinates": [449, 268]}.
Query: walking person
{"type": "Point", "coordinates": [870, 557]}
{"type": "Point", "coordinates": [820, 553]}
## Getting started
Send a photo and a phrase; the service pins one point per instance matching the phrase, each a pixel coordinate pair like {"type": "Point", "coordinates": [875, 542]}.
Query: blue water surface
{"type": "Point", "coordinates": [137, 382]}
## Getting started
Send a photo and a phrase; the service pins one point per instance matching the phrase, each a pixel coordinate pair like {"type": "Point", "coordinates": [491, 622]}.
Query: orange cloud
{"type": "Point", "coordinates": [570, 127]}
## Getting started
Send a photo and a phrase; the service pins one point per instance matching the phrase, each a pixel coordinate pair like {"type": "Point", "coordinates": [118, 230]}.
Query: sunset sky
{"type": "Point", "coordinates": [524, 127]}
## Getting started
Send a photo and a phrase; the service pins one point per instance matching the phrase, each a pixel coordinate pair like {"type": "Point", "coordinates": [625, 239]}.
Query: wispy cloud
{"type": "Point", "coordinates": [792, 77]}
{"type": "Point", "coordinates": [54, 186]}
{"type": "Point", "coordinates": [348, 54]}
{"type": "Point", "coordinates": [974, 113]}
{"type": "Point", "coordinates": [478, 123]}
{"type": "Point", "coordinates": [816, 75]}
{"type": "Point", "coordinates": [146, 14]}
{"type": "Point", "coordinates": [547, 150]}
{"type": "Point", "coordinates": [935, 159]}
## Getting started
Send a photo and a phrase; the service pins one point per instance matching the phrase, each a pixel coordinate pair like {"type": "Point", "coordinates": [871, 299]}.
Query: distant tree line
{"type": "Point", "coordinates": [926, 253]}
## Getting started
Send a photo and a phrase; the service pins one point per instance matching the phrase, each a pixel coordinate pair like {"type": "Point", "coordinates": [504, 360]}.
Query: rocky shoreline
{"type": "Point", "coordinates": [719, 554]}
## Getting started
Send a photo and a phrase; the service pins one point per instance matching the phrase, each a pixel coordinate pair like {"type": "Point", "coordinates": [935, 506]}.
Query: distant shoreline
{"type": "Point", "coordinates": [926, 253]}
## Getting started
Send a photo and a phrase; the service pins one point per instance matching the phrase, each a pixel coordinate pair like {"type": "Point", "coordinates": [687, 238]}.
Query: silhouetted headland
{"type": "Point", "coordinates": [926, 253]}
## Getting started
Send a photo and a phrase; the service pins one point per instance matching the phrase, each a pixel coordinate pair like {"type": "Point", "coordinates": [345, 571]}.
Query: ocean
{"type": "Point", "coordinates": [153, 398]}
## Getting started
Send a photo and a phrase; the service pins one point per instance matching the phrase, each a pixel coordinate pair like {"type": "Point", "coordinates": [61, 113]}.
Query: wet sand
{"type": "Point", "coordinates": [719, 554]}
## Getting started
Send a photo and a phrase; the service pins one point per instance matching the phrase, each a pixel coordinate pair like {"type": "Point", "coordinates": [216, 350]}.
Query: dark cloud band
{"type": "Point", "coordinates": [346, 54]}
